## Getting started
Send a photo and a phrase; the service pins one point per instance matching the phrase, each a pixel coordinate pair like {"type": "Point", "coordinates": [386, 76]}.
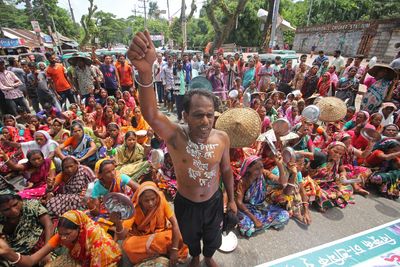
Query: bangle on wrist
{"type": "Point", "coordinates": [144, 85]}
{"type": "Point", "coordinates": [18, 259]}
{"type": "Point", "coordinates": [174, 248]}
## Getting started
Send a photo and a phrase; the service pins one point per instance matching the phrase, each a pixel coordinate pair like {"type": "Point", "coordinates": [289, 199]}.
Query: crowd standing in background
{"type": "Point", "coordinates": [76, 134]}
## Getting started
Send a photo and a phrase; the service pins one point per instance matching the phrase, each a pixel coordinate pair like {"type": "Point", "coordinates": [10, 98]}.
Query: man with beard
{"type": "Point", "coordinates": [199, 153]}
{"type": "Point", "coordinates": [59, 81]}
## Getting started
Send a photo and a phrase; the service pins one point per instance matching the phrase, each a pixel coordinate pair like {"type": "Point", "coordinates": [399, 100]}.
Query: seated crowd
{"type": "Point", "coordinates": [70, 159]}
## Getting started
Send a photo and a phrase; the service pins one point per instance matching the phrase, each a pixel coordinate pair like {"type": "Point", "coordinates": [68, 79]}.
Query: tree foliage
{"type": "Point", "coordinates": [12, 17]}
{"type": "Point", "coordinates": [88, 25]}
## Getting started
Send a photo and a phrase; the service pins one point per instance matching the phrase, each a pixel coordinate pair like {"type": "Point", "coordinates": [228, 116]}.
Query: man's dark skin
{"type": "Point", "coordinates": [200, 119]}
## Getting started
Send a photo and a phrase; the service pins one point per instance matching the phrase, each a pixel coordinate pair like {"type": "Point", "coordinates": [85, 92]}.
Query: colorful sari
{"type": "Point", "coordinates": [81, 149]}
{"type": "Point", "coordinates": [11, 151]}
{"type": "Point", "coordinates": [131, 163]}
{"type": "Point", "coordinates": [387, 178]}
{"type": "Point", "coordinates": [248, 76]}
{"type": "Point", "coordinates": [28, 236]}
{"type": "Point", "coordinates": [331, 191]}
{"type": "Point", "coordinates": [269, 215]}
{"type": "Point", "coordinates": [68, 195]}
{"type": "Point", "coordinates": [254, 199]}
{"type": "Point", "coordinates": [62, 134]}
{"type": "Point", "coordinates": [38, 180]}
{"type": "Point", "coordinates": [293, 203]}
{"type": "Point", "coordinates": [375, 95]}
{"type": "Point", "coordinates": [94, 247]}
{"type": "Point", "coordinates": [150, 235]}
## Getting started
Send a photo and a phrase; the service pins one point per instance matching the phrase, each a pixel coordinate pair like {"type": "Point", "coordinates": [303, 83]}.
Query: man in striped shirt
{"type": "Point", "coordinates": [9, 85]}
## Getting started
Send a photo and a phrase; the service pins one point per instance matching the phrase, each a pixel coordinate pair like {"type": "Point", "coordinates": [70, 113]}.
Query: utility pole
{"type": "Point", "coordinates": [144, 12]}
{"type": "Point", "coordinates": [169, 18]}
{"type": "Point", "coordinates": [274, 22]}
{"type": "Point", "coordinates": [183, 20]}
{"type": "Point", "coordinates": [72, 11]}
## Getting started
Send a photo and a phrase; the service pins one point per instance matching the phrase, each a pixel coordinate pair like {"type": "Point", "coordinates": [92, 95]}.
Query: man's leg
{"type": "Point", "coordinates": [179, 106]}
{"type": "Point", "coordinates": [160, 92]}
{"type": "Point", "coordinates": [190, 223]}
{"type": "Point", "coordinates": [212, 229]}
{"type": "Point", "coordinates": [35, 104]}
{"type": "Point", "coordinates": [70, 96]}
{"type": "Point", "coordinates": [63, 99]}
{"type": "Point", "coordinates": [21, 102]}
{"type": "Point", "coordinates": [12, 107]}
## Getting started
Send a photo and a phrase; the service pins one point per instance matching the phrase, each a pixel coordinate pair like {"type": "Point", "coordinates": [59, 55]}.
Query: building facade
{"type": "Point", "coordinates": [379, 38]}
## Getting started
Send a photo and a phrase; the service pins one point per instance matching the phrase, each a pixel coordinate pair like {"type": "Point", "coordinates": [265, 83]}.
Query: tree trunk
{"type": "Point", "coordinates": [269, 4]}
{"type": "Point", "coordinates": [29, 9]}
{"type": "Point", "coordinates": [221, 33]}
{"type": "Point", "coordinates": [86, 21]}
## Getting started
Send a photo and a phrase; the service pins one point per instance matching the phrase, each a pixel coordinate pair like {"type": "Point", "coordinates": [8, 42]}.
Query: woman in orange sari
{"type": "Point", "coordinates": [87, 243]}
{"type": "Point", "coordinates": [137, 124]}
{"type": "Point", "coordinates": [149, 233]}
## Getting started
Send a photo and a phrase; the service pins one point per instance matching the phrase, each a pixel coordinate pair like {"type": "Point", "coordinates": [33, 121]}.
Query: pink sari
{"type": "Point", "coordinates": [38, 178]}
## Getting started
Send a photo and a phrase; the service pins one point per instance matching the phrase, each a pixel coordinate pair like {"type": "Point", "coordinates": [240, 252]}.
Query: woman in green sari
{"type": "Point", "coordinates": [131, 157]}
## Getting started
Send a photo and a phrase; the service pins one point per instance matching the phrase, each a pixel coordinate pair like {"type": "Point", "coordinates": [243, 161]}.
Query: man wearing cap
{"type": "Point", "coordinates": [9, 85]}
{"type": "Point", "coordinates": [200, 155]}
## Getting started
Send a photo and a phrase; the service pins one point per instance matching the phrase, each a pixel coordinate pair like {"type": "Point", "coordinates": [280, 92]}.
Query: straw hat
{"type": "Point", "coordinates": [73, 60]}
{"type": "Point", "coordinates": [331, 109]}
{"type": "Point", "coordinates": [243, 126]}
{"type": "Point", "coordinates": [390, 72]}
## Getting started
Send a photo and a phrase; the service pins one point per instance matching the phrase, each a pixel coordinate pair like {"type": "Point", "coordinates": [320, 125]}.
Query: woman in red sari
{"type": "Point", "coordinates": [10, 136]}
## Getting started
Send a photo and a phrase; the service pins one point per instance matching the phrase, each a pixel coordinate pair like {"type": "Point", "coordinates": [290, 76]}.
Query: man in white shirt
{"type": "Point", "coordinates": [338, 62]}
{"type": "Point", "coordinates": [157, 68]}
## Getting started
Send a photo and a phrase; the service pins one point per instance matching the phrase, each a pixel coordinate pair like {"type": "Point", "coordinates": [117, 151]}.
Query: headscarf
{"type": "Point", "coordinates": [323, 87]}
{"type": "Point", "coordinates": [289, 117]}
{"type": "Point", "coordinates": [154, 219]}
{"type": "Point", "coordinates": [13, 132]}
{"type": "Point", "coordinates": [46, 149]}
{"type": "Point", "coordinates": [379, 128]}
{"type": "Point", "coordinates": [387, 144]}
{"type": "Point", "coordinates": [246, 163]}
{"type": "Point", "coordinates": [59, 135]}
{"type": "Point", "coordinates": [93, 246]}
{"type": "Point", "coordinates": [337, 143]}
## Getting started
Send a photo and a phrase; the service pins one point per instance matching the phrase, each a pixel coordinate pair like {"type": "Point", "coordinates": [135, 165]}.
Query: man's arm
{"type": "Point", "coordinates": [142, 55]}
{"type": "Point", "coordinates": [226, 172]}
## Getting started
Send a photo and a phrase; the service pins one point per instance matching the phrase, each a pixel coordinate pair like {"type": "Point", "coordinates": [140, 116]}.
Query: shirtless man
{"type": "Point", "coordinates": [199, 153]}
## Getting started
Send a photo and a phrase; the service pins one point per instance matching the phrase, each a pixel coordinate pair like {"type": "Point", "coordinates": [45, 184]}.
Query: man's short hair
{"type": "Point", "coordinates": [278, 58]}
{"type": "Point", "coordinates": [338, 52]}
{"type": "Point", "coordinates": [187, 99]}
{"type": "Point", "coordinates": [304, 55]}
{"type": "Point", "coordinates": [320, 52]}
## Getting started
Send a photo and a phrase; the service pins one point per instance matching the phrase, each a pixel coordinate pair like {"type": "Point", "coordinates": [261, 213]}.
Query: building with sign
{"type": "Point", "coordinates": [378, 38]}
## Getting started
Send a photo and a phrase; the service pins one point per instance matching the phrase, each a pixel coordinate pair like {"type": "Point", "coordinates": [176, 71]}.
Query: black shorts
{"type": "Point", "coordinates": [201, 220]}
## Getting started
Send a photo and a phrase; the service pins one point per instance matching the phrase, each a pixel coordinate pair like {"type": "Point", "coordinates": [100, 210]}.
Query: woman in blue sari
{"type": "Point", "coordinates": [249, 74]}
{"type": "Point", "coordinates": [79, 145]}
{"type": "Point", "coordinates": [254, 213]}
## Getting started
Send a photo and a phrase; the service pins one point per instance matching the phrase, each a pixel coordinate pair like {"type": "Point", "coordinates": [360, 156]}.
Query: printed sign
{"type": "Point", "coordinates": [5, 42]}
{"type": "Point", "coordinates": [375, 247]}
{"type": "Point", "coordinates": [35, 26]}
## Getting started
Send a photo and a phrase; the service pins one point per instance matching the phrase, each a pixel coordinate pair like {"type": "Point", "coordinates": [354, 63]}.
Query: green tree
{"type": "Point", "coordinates": [12, 17]}
{"type": "Point", "coordinates": [88, 25]}
{"type": "Point", "coordinates": [153, 10]}
{"type": "Point", "coordinates": [223, 17]}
